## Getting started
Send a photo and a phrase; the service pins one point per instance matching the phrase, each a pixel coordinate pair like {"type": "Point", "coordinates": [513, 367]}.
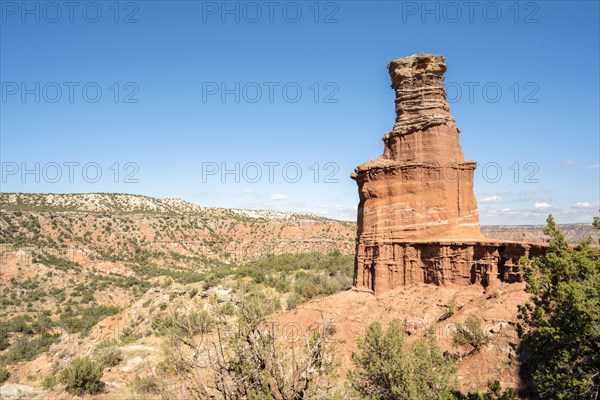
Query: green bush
{"type": "Point", "coordinates": [194, 323]}
{"type": "Point", "coordinates": [293, 301]}
{"type": "Point", "coordinates": [108, 357]}
{"type": "Point", "coordinates": [144, 385]}
{"type": "Point", "coordinates": [82, 377]}
{"type": "Point", "coordinates": [84, 319]}
{"type": "Point", "coordinates": [494, 392]}
{"type": "Point", "coordinates": [49, 381]}
{"type": "Point", "coordinates": [228, 309]}
{"type": "Point", "coordinates": [24, 349]}
{"type": "Point", "coordinates": [4, 375]}
{"type": "Point", "coordinates": [471, 334]}
{"type": "Point", "coordinates": [388, 368]}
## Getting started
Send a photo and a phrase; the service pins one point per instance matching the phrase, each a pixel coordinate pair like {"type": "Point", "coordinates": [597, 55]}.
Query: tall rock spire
{"type": "Point", "coordinates": [417, 215]}
{"type": "Point", "coordinates": [421, 188]}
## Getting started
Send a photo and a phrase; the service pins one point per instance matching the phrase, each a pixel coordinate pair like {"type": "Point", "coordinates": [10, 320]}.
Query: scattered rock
{"type": "Point", "coordinates": [18, 391]}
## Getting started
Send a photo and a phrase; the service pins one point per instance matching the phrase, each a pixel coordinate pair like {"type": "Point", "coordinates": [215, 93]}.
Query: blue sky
{"type": "Point", "coordinates": [225, 103]}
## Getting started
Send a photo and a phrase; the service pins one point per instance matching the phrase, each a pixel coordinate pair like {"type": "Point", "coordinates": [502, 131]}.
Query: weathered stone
{"type": "Point", "coordinates": [382, 266]}
{"type": "Point", "coordinates": [422, 186]}
{"type": "Point", "coordinates": [417, 215]}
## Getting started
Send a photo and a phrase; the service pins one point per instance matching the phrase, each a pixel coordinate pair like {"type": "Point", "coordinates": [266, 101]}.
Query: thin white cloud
{"type": "Point", "coordinates": [582, 204]}
{"type": "Point", "coordinates": [248, 191]}
{"type": "Point", "coordinates": [491, 199]}
{"type": "Point", "coordinates": [278, 196]}
{"type": "Point", "coordinates": [593, 166]}
{"type": "Point", "coordinates": [569, 162]}
{"type": "Point", "coordinates": [496, 193]}
{"type": "Point", "coordinates": [337, 211]}
{"type": "Point", "coordinates": [542, 205]}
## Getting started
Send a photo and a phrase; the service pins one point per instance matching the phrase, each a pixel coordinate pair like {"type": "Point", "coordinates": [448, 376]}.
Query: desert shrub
{"type": "Point", "coordinates": [196, 322]}
{"type": "Point", "coordinates": [471, 334]}
{"type": "Point", "coordinates": [108, 357]}
{"type": "Point", "coordinates": [387, 367]}
{"type": "Point", "coordinates": [248, 359]}
{"type": "Point", "coordinates": [450, 309]}
{"type": "Point", "coordinates": [190, 277]}
{"type": "Point", "coordinates": [25, 349]}
{"type": "Point", "coordinates": [281, 285]}
{"type": "Point", "coordinates": [293, 301]}
{"type": "Point", "coordinates": [4, 343]}
{"type": "Point", "coordinates": [306, 285]}
{"type": "Point", "coordinates": [84, 319]}
{"type": "Point", "coordinates": [49, 381]}
{"type": "Point", "coordinates": [228, 309]}
{"type": "Point", "coordinates": [144, 385]}
{"type": "Point", "coordinates": [317, 274]}
{"type": "Point", "coordinates": [4, 374]}
{"type": "Point", "coordinates": [494, 392]}
{"type": "Point", "coordinates": [82, 377]}
{"type": "Point", "coordinates": [57, 262]}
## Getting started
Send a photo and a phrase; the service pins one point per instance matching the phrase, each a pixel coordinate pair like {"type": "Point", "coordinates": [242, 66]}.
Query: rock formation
{"type": "Point", "coordinates": [422, 186]}
{"type": "Point", "coordinates": [417, 215]}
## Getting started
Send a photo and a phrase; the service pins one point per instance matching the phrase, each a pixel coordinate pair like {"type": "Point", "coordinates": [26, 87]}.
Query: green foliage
{"type": "Point", "coordinates": [108, 357]}
{"type": "Point", "coordinates": [451, 309]}
{"type": "Point", "coordinates": [184, 325]}
{"type": "Point", "coordinates": [257, 367]}
{"type": "Point", "coordinates": [249, 359]}
{"type": "Point", "coordinates": [57, 262]}
{"type": "Point", "coordinates": [560, 327]}
{"type": "Point", "coordinates": [494, 392]}
{"type": "Point", "coordinates": [310, 275]}
{"type": "Point", "coordinates": [49, 381]}
{"type": "Point", "coordinates": [82, 377]}
{"type": "Point", "coordinates": [84, 319]}
{"type": "Point", "coordinates": [389, 369]}
{"type": "Point", "coordinates": [4, 374]}
{"type": "Point", "coordinates": [144, 385]}
{"type": "Point", "coordinates": [26, 349]}
{"type": "Point", "coordinates": [471, 334]}
{"type": "Point", "coordinates": [228, 309]}
{"type": "Point", "coordinates": [294, 301]}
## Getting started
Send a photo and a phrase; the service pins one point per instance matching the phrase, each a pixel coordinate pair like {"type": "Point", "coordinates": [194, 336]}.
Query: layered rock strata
{"type": "Point", "coordinates": [417, 214]}
{"type": "Point", "coordinates": [422, 186]}
{"type": "Point", "coordinates": [382, 266]}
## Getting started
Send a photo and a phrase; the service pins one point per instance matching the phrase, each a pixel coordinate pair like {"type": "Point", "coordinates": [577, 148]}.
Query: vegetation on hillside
{"type": "Point", "coordinates": [247, 356]}
{"type": "Point", "coordinates": [560, 346]}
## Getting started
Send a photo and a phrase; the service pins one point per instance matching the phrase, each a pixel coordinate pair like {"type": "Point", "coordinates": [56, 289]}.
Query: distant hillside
{"type": "Point", "coordinates": [122, 204]}
{"type": "Point", "coordinates": [132, 227]}
{"type": "Point", "coordinates": [575, 233]}
{"type": "Point", "coordinates": [137, 206]}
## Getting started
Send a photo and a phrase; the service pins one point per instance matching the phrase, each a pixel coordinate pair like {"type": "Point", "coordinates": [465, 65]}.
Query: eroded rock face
{"type": "Point", "coordinates": [385, 266]}
{"type": "Point", "coordinates": [422, 186]}
{"type": "Point", "coordinates": [417, 215]}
